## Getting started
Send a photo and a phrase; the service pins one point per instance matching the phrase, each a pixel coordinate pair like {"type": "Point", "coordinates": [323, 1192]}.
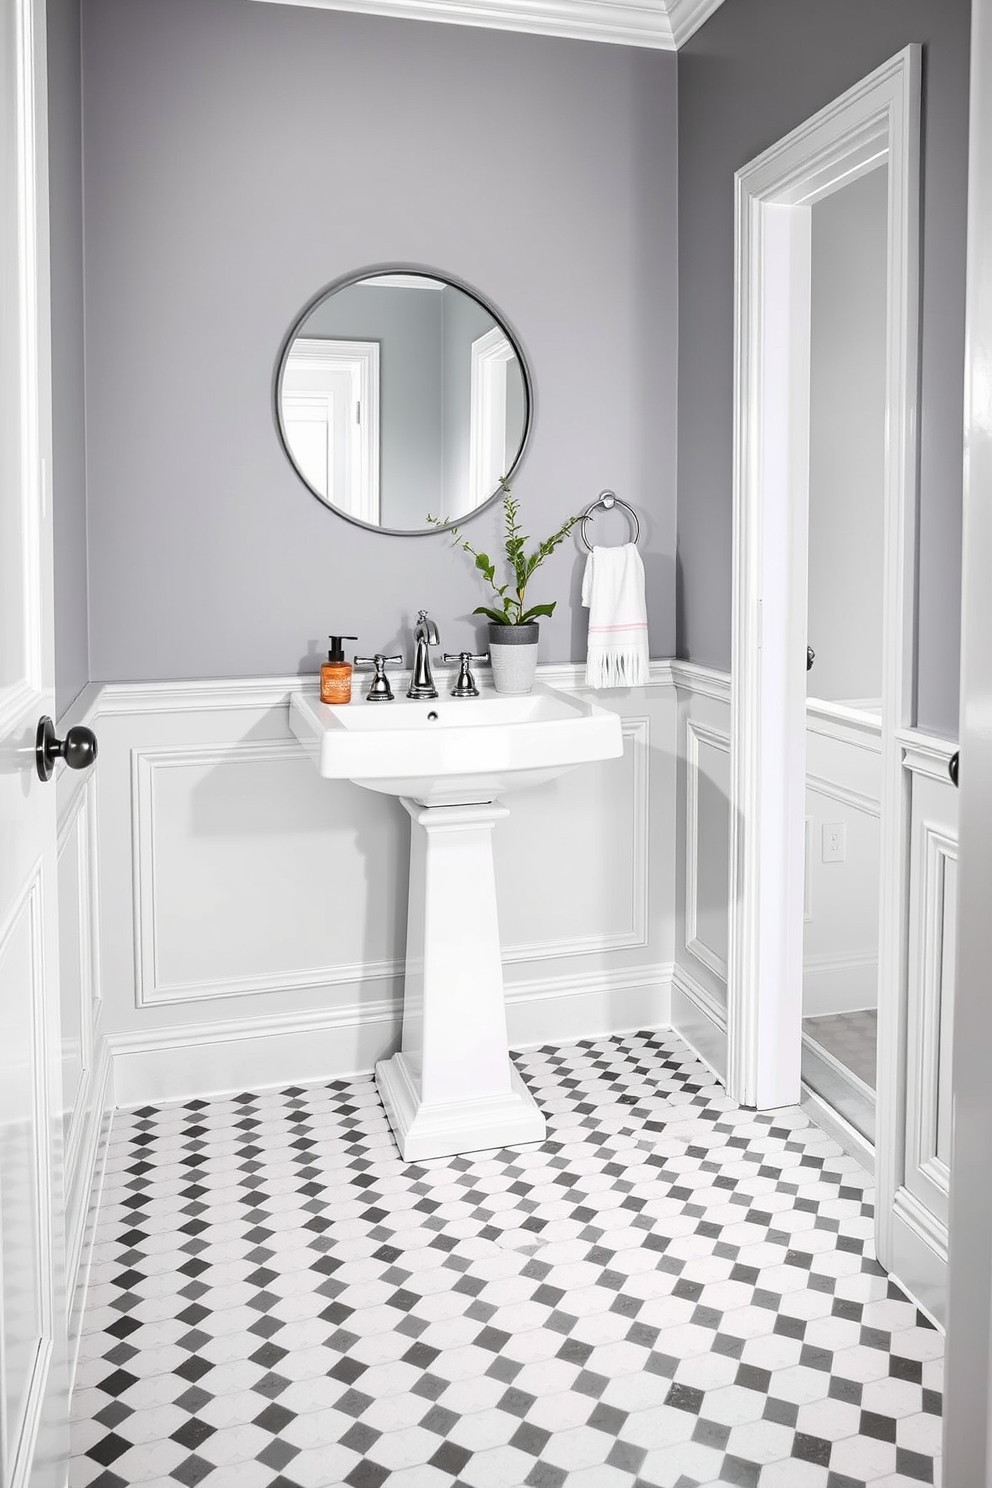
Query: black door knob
{"type": "Point", "coordinates": [78, 748]}
{"type": "Point", "coordinates": [952, 768]}
{"type": "Point", "coordinates": [810, 658]}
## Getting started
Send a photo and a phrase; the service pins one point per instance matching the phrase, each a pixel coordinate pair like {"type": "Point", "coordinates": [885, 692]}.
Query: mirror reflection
{"type": "Point", "coordinates": [401, 396]}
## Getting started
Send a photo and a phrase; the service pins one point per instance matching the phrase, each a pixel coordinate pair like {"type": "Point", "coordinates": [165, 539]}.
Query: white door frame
{"type": "Point", "coordinates": [968, 1398]}
{"type": "Point", "coordinates": [491, 355]}
{"type": "Point", "coordinates": [878, 120]}
{"type": "Point", "coordinates": [360, 361]}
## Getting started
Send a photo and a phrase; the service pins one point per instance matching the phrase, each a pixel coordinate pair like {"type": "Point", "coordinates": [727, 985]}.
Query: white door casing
{"type": "Point", "coordinates": [491, 355]}
{"type": "Point", "coordinates": [33, 1405]}
{"type": "Point", "coordinates": [877, 120]}
{"type": "Point", "coordinates": [329, 406]}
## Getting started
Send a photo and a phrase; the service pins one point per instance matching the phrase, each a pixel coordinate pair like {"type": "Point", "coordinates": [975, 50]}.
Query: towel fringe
{"type": "Point", "coordinates": [617, 667]}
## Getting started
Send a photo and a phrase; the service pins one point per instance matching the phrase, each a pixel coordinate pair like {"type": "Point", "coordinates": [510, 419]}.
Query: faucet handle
{"type": "Point", "coordinates": [380, 691]}
{"type": "Point", "coordinates": [465, 686]}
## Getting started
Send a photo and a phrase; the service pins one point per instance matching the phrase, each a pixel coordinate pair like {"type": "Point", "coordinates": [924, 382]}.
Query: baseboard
{"type": "Point", "coordinates": [700, 1021]}
{"type": "Point", "coordinates": [839, 984]}
{"type": "Point", "coordinates": [209, 1060]}
{"type": "Point", "coordinates": [844, 1134]}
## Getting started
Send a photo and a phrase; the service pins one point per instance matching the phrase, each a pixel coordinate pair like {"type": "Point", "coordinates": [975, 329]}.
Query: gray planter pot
{"type": "Point", "coordinates": [513, 653]}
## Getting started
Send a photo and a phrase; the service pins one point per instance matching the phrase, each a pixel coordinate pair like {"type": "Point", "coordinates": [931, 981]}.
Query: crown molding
{"type": "Point", "coordinates": [686, 16]}
{"type": "Point", "coordinates": [663, 25]}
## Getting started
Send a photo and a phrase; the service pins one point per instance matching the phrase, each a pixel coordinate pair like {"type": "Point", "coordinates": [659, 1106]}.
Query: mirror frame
{"type": "Point", "coordinates": [371, 271]}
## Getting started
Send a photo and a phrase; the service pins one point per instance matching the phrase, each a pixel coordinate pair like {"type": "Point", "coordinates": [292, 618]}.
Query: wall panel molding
{"type": "Point", "coordinates": [216, 1058]}
{"type": "Point", "coordinates": [154, 988]}
{"type": "Point", "coordinates": [221, 895]}
{"type": "Point", "coordinates": [697, 733]}
{"type": "Point", "coordinates": [150, 986]}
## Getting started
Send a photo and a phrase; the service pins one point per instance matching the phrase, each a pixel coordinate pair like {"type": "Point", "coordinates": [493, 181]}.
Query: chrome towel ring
{"type": "Point", "coordinates": [606, 501]}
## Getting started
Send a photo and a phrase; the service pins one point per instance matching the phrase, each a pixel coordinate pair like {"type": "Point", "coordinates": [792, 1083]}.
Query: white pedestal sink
{"type": "Point", "coordinates": [452, 1087]}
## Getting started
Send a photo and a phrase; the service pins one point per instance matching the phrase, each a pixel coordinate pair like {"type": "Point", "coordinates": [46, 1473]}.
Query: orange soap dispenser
{"type": "Point", "coordinates": [335, 674]}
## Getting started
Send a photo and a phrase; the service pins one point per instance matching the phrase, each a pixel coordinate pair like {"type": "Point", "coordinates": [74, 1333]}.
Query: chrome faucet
{"type": "Point", "coordinates": [424, 635]}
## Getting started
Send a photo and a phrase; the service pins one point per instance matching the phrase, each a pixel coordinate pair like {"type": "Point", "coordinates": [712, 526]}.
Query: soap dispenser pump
{"type": "Point", "coordinates": [335, 674]}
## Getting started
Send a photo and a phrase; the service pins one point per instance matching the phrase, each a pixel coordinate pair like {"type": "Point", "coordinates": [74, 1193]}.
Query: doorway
{"type": "Point", "coordinates": [848, 298]}
{"type": "Point", "coordinates": [865, 144]}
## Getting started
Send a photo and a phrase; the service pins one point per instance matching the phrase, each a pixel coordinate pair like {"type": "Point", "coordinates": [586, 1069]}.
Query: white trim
{"type": "Point", "coordinates": [686, 17]}
{"type": "Point", "coordinates": [701, 681]}
{"type": "Point", "coordinates": [854, 727]}
{"type": "Point", "coordinates": [623, 22]}
{"type": "Point", "coordinates": [925, 1224]}
{"type": "Point", "coordinates": [491, 354]}
{"type": "Point", "coordinates": [932, 1011]}
{"type": "Point", "coordinates": [878, 119]}
{"type": "Point", "coordinates": [696, 733]}
{"type": "Point", "coordinates": [222, 694]}
{"type": "Point", "coordinates": [857, 800]}
{"type": "Point", "coordinates": [925, 754]}
{"type": "Point", "coordinates": [359, 360]}
{"type": "Point", "coordinates": [837, 1067]}
{"type": "Point", "coordinates": [699, 1020]}
{"type": "Point", "coordinates": [81, 1222]}
{"type": "Point", "coordinates": [213, 1059]}
{"type": "Point", "coordinates": [152, 991]}
{"type": "Point", "coordinates": [700, 996]}
{"type": "Point", "coordinates": [816, 965]}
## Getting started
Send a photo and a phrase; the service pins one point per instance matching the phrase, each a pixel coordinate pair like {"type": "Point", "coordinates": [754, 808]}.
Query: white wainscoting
{"type": "Point", "coordinates": [922, 1179]}
{"type": "Point", "coordinates": [840, 961]}
{"type": "Point", "coordinates": [86, 1083]}
{"type": "Point", "coordinates": [843, 790]}
{"type": "Point", "coordinates": [253, 914]}
{"type": "Point", "coordinates": [699, 984]}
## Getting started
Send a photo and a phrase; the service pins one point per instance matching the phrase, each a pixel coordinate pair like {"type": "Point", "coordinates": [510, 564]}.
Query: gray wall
{"type": "Point", "coordinates": [754, 71]}
{"type": "Point", "coordinates": [68, 401]}
{"type": "Point", "coordinates": [238, 157]}
{"type": "Point", "coordinates": [847, 439]}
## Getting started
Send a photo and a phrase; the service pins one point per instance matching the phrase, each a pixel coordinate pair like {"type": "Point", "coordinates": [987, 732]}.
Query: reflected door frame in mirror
{"type": "Point", "coordinates": [343, 431]}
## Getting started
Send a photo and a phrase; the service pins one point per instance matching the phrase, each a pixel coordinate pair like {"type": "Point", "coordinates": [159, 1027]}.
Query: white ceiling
{"type": "Point", "coordinates": [662, 24]}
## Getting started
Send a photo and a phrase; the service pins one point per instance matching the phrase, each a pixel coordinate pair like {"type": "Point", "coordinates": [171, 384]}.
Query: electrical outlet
{"type": "Point", "coordinates": [834, 842]}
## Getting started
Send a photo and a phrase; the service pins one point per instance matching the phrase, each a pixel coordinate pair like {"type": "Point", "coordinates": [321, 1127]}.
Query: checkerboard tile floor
{"type": "Point", "coordinates": [669, 1292]}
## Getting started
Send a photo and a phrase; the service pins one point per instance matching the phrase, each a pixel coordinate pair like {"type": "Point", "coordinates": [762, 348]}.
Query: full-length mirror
{"type": "Point", "coordinates": [401, 396]}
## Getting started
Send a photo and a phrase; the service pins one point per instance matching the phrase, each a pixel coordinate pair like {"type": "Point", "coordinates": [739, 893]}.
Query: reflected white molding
{"type": "Point", "coordinates": [664, 25]}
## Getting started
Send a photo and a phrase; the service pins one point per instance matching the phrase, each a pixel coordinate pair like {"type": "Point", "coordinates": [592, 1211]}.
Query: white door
{"type": "Point", "coordinates": [32, 1302]}
{"type": "Point", "coordinates": [968, 1411]}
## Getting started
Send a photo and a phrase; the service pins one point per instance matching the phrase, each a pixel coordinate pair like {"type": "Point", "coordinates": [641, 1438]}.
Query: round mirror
{"type": "Point", "coordinates": [402, 400]}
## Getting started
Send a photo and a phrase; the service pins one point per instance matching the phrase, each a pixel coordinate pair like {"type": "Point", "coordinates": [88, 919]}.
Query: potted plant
{"type": "Point", "coordinates": [513, 624]}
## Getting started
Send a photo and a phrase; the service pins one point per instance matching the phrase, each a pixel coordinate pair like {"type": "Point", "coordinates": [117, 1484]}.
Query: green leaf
{"type": "Point", "coordinates": [494, 615]}
{"type": "Point", "coordinates": [536, 610]}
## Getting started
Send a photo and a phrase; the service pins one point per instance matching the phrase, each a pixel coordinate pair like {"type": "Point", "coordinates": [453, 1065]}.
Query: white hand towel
{"type": "Point", "coordinates": [613, 593]}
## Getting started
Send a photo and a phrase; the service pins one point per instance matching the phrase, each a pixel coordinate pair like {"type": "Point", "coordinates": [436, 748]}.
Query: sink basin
{"type": "Point", "coordinates": [452, 1086]}
{"type": "Point", "coordinates": [455, 751]}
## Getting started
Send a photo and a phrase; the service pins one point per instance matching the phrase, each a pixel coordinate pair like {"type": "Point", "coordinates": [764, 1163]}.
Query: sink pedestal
{"type": "Point", "coordinates": [452, 1087]}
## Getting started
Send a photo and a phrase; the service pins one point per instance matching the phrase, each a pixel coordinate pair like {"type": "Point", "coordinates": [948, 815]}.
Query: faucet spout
{"type": "Point", "coordinates": [424, 635]}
